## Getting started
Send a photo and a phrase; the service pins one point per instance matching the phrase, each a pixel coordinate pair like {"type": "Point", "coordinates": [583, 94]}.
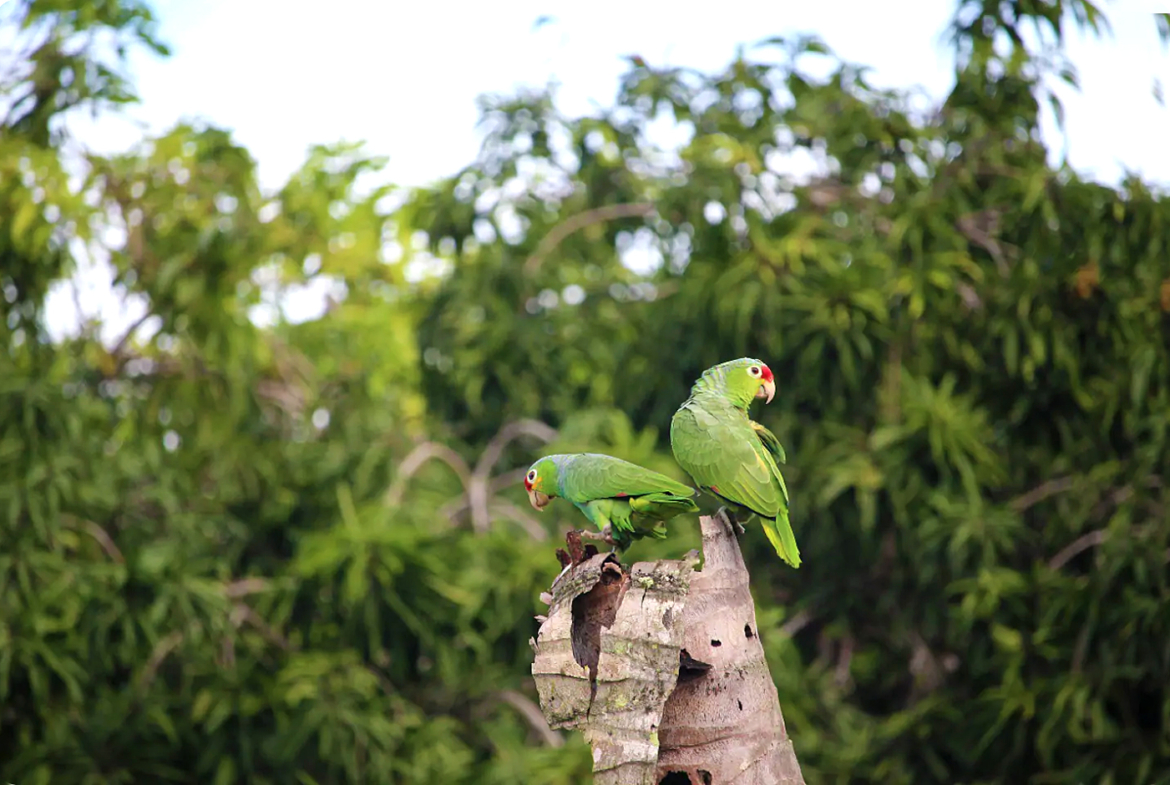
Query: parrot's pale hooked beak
{"type": "Point", "coordinates": [767, 390]}
{"type": "Point", "coordinates": [538, 500]}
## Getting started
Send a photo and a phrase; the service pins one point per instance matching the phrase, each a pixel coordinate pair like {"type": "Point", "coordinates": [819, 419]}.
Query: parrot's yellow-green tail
{"type": "Point", "coordinates": [779, 532]}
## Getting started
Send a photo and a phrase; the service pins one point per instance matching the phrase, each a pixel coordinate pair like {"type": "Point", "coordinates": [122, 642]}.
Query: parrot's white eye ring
{"type": "Point", "coordinates": [531, 476]}
{"type": "Point", "coordinates": [755, 371]}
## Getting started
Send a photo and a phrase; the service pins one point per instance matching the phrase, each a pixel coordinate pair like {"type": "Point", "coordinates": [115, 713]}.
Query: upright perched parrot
{"type": "Point", "coordinates": [729, 455]}
{"type": "Point", "coordinates": [626, 502]}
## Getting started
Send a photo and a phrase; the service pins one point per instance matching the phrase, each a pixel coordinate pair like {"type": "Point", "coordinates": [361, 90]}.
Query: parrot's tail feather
{"type": "Point", "coordinates": [662, 505]}
{"type": "Point", "coordinates": [779, 532]}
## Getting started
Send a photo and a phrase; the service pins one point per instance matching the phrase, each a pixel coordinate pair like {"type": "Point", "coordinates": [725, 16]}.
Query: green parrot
{"type": "Point", "coordinates": [732, 457]}
{"type": "Point", "coordinates": [626, 502]}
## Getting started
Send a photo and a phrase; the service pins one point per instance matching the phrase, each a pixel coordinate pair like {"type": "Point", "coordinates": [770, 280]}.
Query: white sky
{"type": "Point", "coordinates": [406, 81]}
{"type": "Point", "coordinates": [404, 77]}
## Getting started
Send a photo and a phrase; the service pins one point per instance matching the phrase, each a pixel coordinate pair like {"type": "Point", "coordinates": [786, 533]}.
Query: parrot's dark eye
{"type": "Point", "coordinates": [755, 371]}
{"type": "Point", "coordinates": [531, 476]}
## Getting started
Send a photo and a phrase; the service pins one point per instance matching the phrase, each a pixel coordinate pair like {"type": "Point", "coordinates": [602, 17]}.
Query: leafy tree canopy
{"type": "Point", "coordinates": [239, 548]}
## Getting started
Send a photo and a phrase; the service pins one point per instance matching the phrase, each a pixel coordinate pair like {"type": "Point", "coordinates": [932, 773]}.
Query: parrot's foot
{"type": "Point", "coordinates": [735, 526]}
{"type": "Point", "coordinates": [605, 535]}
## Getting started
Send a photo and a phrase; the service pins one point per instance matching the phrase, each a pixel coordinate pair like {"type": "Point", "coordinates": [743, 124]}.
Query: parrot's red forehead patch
{"type": "Point", "coordinates": [765, 372]}
{"type": "Point", "coordinates": [527, 484]}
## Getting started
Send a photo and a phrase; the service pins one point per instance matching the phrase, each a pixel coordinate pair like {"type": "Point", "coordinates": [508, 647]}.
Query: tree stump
{"type": "Point", "coordinates": [660, 667]}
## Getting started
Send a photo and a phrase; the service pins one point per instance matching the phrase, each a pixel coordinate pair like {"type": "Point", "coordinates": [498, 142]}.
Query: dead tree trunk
{"type": "Point", "coordinates": [660, 667]}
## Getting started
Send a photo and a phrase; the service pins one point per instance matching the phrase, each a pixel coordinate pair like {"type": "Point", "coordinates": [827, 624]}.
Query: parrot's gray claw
{"type": "Point", "coordinates": [735, 526]}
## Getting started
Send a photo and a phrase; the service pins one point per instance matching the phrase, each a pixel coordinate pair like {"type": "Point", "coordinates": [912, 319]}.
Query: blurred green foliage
{"type": "Point", "coordinates": [242, 549]}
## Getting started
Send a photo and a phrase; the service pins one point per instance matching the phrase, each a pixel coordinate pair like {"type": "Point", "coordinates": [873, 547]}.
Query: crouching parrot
{"type": "Point", "coordinates": [732, 457]}
{"type": "Point", "coordinates": [626, 502]}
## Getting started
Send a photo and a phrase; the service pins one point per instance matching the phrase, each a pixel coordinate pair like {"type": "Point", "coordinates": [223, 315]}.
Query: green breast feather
{"type": "Point", "coordinates": [736, 459]}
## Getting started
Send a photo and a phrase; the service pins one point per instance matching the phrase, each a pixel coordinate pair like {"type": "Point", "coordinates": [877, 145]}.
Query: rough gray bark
{"type": "Point", "coordinates": [660, 667]}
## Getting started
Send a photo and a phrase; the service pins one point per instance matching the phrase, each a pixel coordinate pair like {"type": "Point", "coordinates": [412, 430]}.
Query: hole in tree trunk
{"type": "Point", "coordinates": [716, 643]}
{"type": "Point", "coordinates": [689, 667]}
{"type": "Point", "coordinates": [682, 778]}
{"type": "Point", "coordinates": [747, 630]}
{"type": "Point", "coordinates": [593, 610]}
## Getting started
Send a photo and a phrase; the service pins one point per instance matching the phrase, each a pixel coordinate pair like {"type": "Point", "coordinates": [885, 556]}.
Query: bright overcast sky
{"type": "Point", "coordinates": [284, 76]}
{"type": "Point", "coordinates": [288, 75]}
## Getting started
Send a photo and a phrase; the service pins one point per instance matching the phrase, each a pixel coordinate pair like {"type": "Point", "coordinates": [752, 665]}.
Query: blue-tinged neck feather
{"type": "Point", "coordinates": [562, 463]}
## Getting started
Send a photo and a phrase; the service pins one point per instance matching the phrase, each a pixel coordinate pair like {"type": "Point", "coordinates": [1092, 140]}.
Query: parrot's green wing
{"type": "Point", "coordinates": [723, 452]}
{"type": "Point", "coordinates": [770, 442]}
{"type": "Point", "coordinates": [737, 460]}
{"type": "Point", "coordinates": [662, 506]}
{"type": "Point", "coordinates": [591, 476]}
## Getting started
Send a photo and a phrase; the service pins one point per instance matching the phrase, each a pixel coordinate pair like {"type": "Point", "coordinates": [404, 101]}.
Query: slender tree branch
{"type": "Point", "coordinates": [1123, 494]}
{"type": "Point", "coordinates": [797, 623]}
{"type": "Point", "coordinates": [243, 612]}
{"type": "Point", "coordinates": [478, 484]}
{"type": "Point", "coordinates": [163, 648]}
{"type": "Point", "coordinates": [981, 228]}
{"type": "Point", "coordinates": [1041, 492]}
{"type": "Point", "coordinates": [1077, 546]}
{"type": "Point", "coordinates": [510, 432]}
{"type": "Point", "coordinates": [101, 537]}
{"type": "Point", "coordinates": [417, 458]}
{"type": "Point", "coordinates": [244, 587]}
{"type": "Point", "coordinates": [121, 344]}
{"type": "Point", "coordinates": [479, 487]}
{"type": "Point", "coordinates": [844, 661]}
{"type": "Point", "coordinates": [495, 485]}
{"type": "Point", "coordinates": [578, 222]}
{"type": "Point", "coordinates": [531, 712]}
{"type": "Point", "coordinates": [530, 524]}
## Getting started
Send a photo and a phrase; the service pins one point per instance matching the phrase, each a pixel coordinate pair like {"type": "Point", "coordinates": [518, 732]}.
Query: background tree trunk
{"type": "Point", "coordinates": [660, 667]}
